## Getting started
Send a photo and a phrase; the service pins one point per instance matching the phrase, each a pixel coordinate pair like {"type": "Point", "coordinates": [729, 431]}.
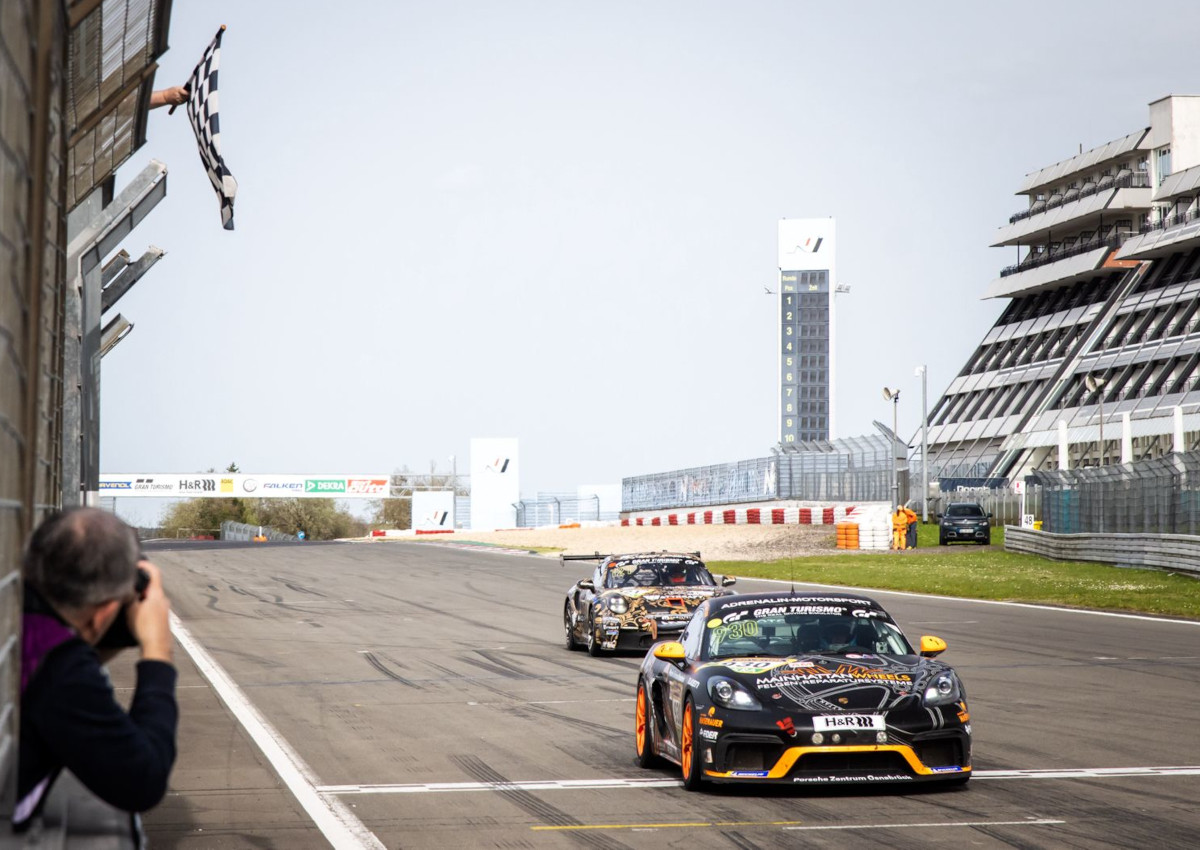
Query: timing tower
{"type": "Point", "coordinates": [807, 282]}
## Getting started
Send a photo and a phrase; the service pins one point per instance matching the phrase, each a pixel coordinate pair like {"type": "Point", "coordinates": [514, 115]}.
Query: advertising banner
{"type": "Point", "coordinates": [222, 485]}
{"type": "Point", "coordinates": [433, 510]}
{"type": "Point", "coordinates": [495, 483]}
{"type": "Point", "coordinates": [807, 244]}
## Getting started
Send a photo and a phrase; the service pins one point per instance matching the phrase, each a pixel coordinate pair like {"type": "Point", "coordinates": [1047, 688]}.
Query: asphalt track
{"type": "Point", "coordinates": [415, 695]}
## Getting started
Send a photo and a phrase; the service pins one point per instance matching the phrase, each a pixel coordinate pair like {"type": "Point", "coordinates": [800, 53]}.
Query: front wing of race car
{"type": "Point", "coordinates": [739, 746]}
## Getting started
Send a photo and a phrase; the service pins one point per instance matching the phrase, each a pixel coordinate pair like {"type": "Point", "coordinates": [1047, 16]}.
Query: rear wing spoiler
{"type": "Point", "coordinates": [562, 559]}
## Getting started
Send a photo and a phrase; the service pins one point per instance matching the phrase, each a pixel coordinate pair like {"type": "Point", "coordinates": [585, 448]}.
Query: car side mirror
{"type": "Point", "coordinates": [989, 516]}
{"type": "Point", "coordinates": [728, 580]}
{"type": "Point", "coordinates": [671, 650]}
{"type": "Point", "coordinates": [939, 517]}
{"type": "Point", "coordinates": [932, 646]}
{"type": "Point", "coordinates": [587, 584]}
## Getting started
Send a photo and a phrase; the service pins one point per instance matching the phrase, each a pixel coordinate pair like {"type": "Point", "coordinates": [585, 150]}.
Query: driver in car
{"type": "Point", "coordinates": [836, 634]}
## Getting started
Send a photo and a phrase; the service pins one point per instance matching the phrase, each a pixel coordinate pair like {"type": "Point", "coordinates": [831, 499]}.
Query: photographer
{"type": "Point", "coordinates": [83, 597]}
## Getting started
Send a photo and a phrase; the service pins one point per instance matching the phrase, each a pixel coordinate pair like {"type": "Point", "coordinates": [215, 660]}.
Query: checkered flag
{"type": "Point", "coordinates": [202, 111]}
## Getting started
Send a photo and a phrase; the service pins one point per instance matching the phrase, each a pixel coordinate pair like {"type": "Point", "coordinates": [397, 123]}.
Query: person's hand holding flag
{"type": "Point", "coordinates": [174, 96]}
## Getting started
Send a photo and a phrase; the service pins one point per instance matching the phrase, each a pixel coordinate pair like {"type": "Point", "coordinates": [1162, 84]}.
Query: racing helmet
{"type": "Point", "coordinates": [836, 632]}
{"type": "Point", "coordinates": [676, 574]}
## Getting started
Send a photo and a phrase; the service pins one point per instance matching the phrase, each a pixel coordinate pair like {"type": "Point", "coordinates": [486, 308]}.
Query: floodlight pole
{"type": "Point", "coordinates": [895, 440]}
{"type": "Point", "coordinates": [922, 371]}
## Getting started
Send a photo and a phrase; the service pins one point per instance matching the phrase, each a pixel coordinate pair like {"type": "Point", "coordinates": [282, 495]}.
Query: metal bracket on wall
{"type": "Point", "coordinates": [94, 230]}
{"type": "Point", "coordinates": [129, 275]}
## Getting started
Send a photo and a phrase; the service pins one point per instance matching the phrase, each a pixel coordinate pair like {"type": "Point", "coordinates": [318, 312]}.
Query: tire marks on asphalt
{"type": "Point", "coordinates": [374, 661]}
{"type": "Point", "coordinates": [537, 808]}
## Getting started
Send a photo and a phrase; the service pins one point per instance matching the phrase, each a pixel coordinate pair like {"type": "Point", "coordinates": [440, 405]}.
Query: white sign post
{"type": "Point", "coordinates": [495, 483]}
{"type": "Point", "coordinates": [432, 511]}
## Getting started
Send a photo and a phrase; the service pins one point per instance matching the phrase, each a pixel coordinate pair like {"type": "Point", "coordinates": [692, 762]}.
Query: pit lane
{"type": "Point", "coordinates": [425, 693]}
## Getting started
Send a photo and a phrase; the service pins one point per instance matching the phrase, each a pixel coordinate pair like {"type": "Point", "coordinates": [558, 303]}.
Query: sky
{"type": "Point", "coordinates": [555, 221]}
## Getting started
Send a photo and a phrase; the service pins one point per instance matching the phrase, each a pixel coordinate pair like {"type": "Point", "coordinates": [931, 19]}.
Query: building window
{"type": "Point", "coordinates": [1163, 161]}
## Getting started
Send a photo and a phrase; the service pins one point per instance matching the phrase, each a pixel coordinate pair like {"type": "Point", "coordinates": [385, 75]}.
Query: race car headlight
{"type": "Point", "coordinates": [618, 604]}
{"type": "Point", "coordinates": [729, 694]}
{"type": "Point", "coordinates": [943, 689]}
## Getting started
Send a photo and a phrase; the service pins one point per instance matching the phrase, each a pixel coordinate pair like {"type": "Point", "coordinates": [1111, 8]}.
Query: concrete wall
{"type": "Point", "coordinates": [32, 276]}
{"type": "Point", "coordinates": [1175, 121]}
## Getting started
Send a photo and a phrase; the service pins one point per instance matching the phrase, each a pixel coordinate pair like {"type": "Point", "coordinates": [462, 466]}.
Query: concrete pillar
{"type": "Point", "coordinates": [1179, 446]}
{"type": "Point", "coordinates": [1064, 458]}
{"type": "Point", "coordinates": [1126, 439]}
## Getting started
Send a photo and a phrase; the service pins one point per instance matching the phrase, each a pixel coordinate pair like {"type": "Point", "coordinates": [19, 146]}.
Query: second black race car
{"type": "Point", "coordinates": [631, 601]}
{"type": "Point", "coordinates": [802, 689]}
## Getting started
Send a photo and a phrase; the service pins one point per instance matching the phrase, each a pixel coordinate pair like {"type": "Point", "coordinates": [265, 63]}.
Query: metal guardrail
{"type": "Point", "coordinates": [241, 531]}
{"type": "Point", "coordinates": [1175, 552]}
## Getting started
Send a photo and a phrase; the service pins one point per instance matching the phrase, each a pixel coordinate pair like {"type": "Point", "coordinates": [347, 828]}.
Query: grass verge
{"type": "Point", "coordinates": [989, 573]}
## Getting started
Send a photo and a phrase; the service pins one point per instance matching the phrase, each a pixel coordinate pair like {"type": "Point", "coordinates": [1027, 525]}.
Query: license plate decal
{"type": "Point", "coordinates": [834, 722]}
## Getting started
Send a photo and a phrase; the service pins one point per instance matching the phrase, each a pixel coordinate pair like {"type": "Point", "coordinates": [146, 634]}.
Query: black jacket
{"type": "Point", "coordinates": [70, 718]}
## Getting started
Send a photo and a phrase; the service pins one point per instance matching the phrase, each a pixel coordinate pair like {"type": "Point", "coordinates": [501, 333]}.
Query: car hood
{"type": "Point", "coordinates": [665, 599]}
{"type": "Point", "coordinates": [814, 682]}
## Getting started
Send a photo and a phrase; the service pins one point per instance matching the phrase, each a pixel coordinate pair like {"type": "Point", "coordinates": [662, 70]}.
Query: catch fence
{"type": "Point", "coordinates": [1159, 495]}
{"type": "Point", "coordinates": [561, 509]}
{"type": "Point", "coordinates": [858, 472]}
{"type": "Point", "coordinates": [1005, 506]}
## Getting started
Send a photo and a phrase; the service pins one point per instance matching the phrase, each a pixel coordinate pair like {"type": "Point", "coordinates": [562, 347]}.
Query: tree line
{"type": "Point", "coordinates": [319, 519]}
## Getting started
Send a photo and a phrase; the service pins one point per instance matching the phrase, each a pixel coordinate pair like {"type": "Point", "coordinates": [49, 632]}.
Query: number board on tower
{"type": "Point", "coordinates": [804, 356]}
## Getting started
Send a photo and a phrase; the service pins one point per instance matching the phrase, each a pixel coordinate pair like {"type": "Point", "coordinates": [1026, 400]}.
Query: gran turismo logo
{"type": "Point", "coordinates": [498, 466]}
{"type": "Point", "coordinates": [808, 246]}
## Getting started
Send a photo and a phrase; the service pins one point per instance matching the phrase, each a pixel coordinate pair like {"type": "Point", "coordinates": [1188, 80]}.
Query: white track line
{"type": "Point", "coordinates": [544, 785]}
{"type": "Point", "coordinates": [341, 826]}
{"type": "Point", "coordinates": [592, 784]}
{"type": "Point", "coordinates": [873, 590]}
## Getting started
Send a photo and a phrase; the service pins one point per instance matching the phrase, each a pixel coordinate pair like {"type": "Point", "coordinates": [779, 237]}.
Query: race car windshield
{"type": "Point", "coordinates": [783, 635]}
{"type": "Point", "coordinates": [659, 574]}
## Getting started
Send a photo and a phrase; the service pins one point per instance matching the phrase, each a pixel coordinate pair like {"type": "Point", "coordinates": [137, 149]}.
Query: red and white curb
{"type": "Point", "coordinates": [748, 516]}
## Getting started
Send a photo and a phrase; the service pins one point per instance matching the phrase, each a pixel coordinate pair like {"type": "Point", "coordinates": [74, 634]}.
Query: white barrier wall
{"type": "Point", "coordinates": [495, 483]}
{"type": "Point", "coordinates": [433, 510]}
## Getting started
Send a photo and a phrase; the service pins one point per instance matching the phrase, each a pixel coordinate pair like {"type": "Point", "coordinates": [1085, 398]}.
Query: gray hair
{"type": "Point", "coordinates": [81, 557]}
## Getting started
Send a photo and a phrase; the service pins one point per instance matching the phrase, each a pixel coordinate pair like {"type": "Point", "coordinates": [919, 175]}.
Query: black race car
{"type": "Point", "coordinates": [801, 689]}
{"type": "Point", "coordinates": [633, 600]}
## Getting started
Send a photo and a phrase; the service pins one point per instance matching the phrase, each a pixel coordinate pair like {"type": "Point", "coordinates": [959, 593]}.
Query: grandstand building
{"type": "Point", "coordinates": [1098, 349]}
